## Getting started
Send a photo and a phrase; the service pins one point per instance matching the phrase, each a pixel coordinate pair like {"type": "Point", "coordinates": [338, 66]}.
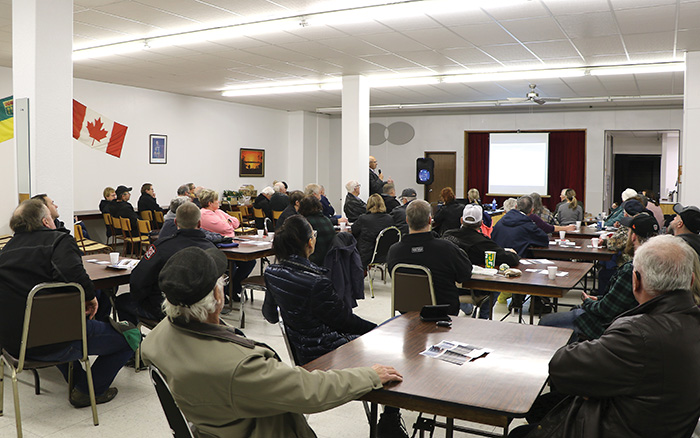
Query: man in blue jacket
{"type": "Point", "coordinates": [516, 230]}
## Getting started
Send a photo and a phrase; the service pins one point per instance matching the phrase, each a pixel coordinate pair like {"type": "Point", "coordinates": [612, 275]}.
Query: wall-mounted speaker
{"type": "Point", "coordinates": [424, 171]}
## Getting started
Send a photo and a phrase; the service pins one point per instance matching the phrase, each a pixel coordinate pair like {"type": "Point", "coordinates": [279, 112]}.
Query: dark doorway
{"type": "Point", "coordinates": [445, 172]}
{"type": "Point", "coordinates": [639, 172]}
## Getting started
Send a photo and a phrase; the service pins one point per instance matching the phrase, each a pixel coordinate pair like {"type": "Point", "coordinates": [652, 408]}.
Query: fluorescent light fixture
{"type": "Point", "coordinates": [387, 82]}
{"type": "Point", "coordinates": [516, 75]}
{"type": "Point", "coordinates": [282, 89]}
{"type": "Point", "coordinates": [666, 67]}
{"type": "Point", "coordinates": [108, 50]}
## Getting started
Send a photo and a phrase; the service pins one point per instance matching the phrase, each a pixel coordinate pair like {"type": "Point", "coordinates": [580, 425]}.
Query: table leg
{"type": "Point", "coordinates": [449, 427]}
{"type": "Point", "coordinates": [373, 421]}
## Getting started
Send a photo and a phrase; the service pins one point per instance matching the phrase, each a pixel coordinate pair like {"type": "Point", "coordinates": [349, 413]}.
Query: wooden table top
{"type": "Point", "coordinates": [532, 283]}
{"type": "Point", "coordinates": [102, 276]}
{"type": "Point", "coordinates": [583, 233]}
{"type": "Point", "coordinates": [583, 250]}
{"type": "Point", "coordinates": [489, 390]}
{"type": "Point", "coordinates": [247, 250]}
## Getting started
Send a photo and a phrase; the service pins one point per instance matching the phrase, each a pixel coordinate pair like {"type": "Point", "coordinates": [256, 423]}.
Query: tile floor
{"type": "Point", "coordinates": [136, 412]}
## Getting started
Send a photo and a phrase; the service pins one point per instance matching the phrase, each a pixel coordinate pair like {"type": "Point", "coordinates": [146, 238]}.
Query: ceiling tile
{"type": "Point", "coordinates": [145, 14]}
{"type": "Point", "coordinates": [352, 46]}
{"type": "Point", "coordinates": [319, 50]}
{"type": "Point", "coordinates": [321, 66]}
{"type": "Point", "coordinates": [689, 16]}
{"type": "Point", "coordinates": [356, 65]}
{"type": "Point", "coordinates": [368, 27]}
{"type": "Point", "coordinates": [643, 20]}
{"type": "Point", "coordinates": [429, 58]}
{"type": "Point", "coordinates": [467, 56]}
{"type": "Point", "coordinates": [394, 42]}
{"type": "Point", "coordinates": [464, 18]}
{"type": "Point", "coordinates": [437, 39]}
{"type": "Point", "coordinates": [600, 45]}
{"type": "Point", "coordinates": [402, 24]}
{"type": "Point", "coordinates": [389, 61]}
{"type": "Point", "coordinates": [589, 25]}
{"type": "Point", "coordinates": [588, 86]}
{"type": "Point", "coordinates": [278, 38]}
{"type": "Point", "coordinates": [689, 40]}
{"type": "Point", "coordinates": [115, 24]}
{"type": "Point", "coordinates": [97, 3]}
{"type": "Point", "coordinates": [553, 49]}
{"type": "Point", "coordinates": [280, 54]}
{"type": "Point", "coordinates": [650, 42]}
{"type": "Point", "coordinates": [195, 10]}
{"type": "Point", "coordinates": [630, 4]}
{"type": "Point", "coordinates": [319, 32]}
{"type": "Point", "coordinates": [558, 7]}
{"type": "Point", "coordinates": [483, 34]}
{"type": "Point", "coordinates": [521, 10]}
{"type": "Point", "coordinates": [509, 52]}
{"type": "Point", "coordinates": [619, 85]}
{"type": "Point", "coordinates": [536, 29]}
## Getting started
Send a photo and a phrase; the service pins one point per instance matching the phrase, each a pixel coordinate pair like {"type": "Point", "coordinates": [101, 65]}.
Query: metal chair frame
{"type": "Point", "coordinates": [179, 426]}
{"type": "Point", "coordinates": [378, 260]}
{"type": "Point", "coordinates": [414, 280]}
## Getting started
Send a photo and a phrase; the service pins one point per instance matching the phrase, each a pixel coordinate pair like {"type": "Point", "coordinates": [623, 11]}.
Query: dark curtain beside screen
{"type": "Point", "coordinates": [567, 165]}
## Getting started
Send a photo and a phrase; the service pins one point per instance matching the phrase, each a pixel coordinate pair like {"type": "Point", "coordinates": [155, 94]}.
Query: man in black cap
{"type": "Point", "coordinates": [686, 225]}
{"type": "Point", "coordinates": [399, 213]}
{"type": "Point", "coordinates": [122, 208]}
{"type": "Point", "coordinates": [225, 383]}
{"type": "Point", "coordinates": [595, 314]}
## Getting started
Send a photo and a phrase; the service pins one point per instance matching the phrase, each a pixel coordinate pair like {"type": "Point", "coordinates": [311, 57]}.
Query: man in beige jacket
{"type": "Point", "coordinates": [229, 385]}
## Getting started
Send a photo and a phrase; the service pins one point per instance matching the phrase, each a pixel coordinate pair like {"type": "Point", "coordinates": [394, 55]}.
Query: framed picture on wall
{"type": "Point", "coordinates": [158, 147]}
{"type": "Point", "coordinates": [252, 162]}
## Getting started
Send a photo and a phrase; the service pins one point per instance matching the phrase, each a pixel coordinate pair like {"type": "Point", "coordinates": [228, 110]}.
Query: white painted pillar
{"type": "Point", "coordinates": [42, 70]}
{"type": "Point", "coordinates": [690, 151]}
{"type": "Point", "coordinates": [355, 133]}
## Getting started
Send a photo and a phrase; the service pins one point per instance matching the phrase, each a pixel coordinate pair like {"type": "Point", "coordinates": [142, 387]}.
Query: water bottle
{"type": "Point", "coordinates": [493, 205]}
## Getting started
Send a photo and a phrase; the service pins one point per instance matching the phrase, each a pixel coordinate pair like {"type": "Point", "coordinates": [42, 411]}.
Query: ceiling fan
{"type": "Point", "coordinates": [533, 96]}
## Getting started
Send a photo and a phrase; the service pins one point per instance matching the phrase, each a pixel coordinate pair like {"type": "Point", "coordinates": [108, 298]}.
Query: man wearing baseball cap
{"type": "Point", "coordinates": [686, 225]}
{"type": "Point", "coordinates": [122, 208]}
{"type": "Point", "coordinates": [227, 384]}
{"type": "Point", "coordinates": [475, 244]}
{"type": "Point", "coordinates": [399, 213]}
{"type": "Point", "coordinates": [590, 320]}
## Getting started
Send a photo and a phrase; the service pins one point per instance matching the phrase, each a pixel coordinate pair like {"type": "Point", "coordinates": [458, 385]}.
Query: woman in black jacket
{"type": "Point", "coordinates": [316, 319]}
{"type": "Point", "coordinates": [368, 226]}
{"type": "Point", "coordinates": [447, 217]}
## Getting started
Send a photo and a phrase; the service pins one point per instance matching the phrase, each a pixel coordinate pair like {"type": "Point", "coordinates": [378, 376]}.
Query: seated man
{"type": "Point", "coordinates": [38, 253]}
{"type": "Point", "coordinates": [146, 298]}
{"type": "Point", "coordinates": [237, 387]}
{"type": "Point", "coordinates": [354, 206]}
{"type": "Point", "coordinates": [595, 314]}
{"type": "Point", "coordinates": [292, 208]}
{"type": "Point", "coordinates": [279, 200]}
{"type": "Point", "coordinates": [122, 207]}
{"type": "Point", "coordinates": [516, 230]}
{"type": "Point", "coordinates": [475, 244]}
{"type": "Point", "coordinates": [448, 264]}
{"type": "Point", "coordinates": [399, 213]}
{"type": "Point", "coordinates": [147, 201]}
{"type": "Point", "coordinates": [640, 378]}
{"type": "Point", "coordinates": [53, 208]}
{"type": "Point", "coordinates": [389, 197]}
{"type": "Point", "coordinates": [686, 225]}
{"type": "Point", "coordinates": [262, 202]}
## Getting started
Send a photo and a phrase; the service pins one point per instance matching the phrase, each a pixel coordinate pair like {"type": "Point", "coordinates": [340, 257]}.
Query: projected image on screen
{"type": "Point", "coordinates": [518, 163]}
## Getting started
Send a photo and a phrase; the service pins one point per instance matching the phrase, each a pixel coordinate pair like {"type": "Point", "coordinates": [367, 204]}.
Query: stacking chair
{"type": "Point", "coordinates": [4, 239]}
{"type": "Point", "coordinates": [469, 297]}
{"type": "Point", "coordinates": [276, 215]}
{"type": "Point", "coordinates": [246, 215]}
{"type": "Point", "coordinates": [387, 237]}
{"type": "Point", "coordinates": [241, 228]}
{"type": "Point", "coordinates": [411, 288]}
{"type": "Point", "coordinates": [133, 237]}
{"type": "Point", "coordinates": [49, 318]}
{"type": "Point", "coordinates": [149, 324]}
{"type": "Point", "coordinates": [179, 426]}
{"type": "Point", "coordinates": [258, 213]}
{"type": "Point", "coordinates": [89, 246]}
{"type": "Point", "coordinates": [117, 230]}
{"type": "Point", "coordinates": [109, 223]}
{"type": "Point", "coordinates": [160, 219]}
{"type": "Point", "coordinates": [147, 215]}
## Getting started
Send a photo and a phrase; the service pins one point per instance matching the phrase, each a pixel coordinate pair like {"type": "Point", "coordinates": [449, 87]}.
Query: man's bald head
{"type": "Point", "coordinates": [31, 215]}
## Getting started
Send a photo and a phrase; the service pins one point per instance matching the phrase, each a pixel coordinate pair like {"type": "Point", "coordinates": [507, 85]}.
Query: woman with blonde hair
{"type": "Point", "coordinates": [368, 226]}
{"type": "Point", "coordinates": [569, 212]}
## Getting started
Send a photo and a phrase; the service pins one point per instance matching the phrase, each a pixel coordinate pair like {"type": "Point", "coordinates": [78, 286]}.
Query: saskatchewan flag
{"type": "Point", "coordinates": [7, 120]}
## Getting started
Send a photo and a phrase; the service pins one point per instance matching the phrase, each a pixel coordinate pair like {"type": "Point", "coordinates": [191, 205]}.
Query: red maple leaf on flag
{"type": "Point", "coordinates": [96, 131]}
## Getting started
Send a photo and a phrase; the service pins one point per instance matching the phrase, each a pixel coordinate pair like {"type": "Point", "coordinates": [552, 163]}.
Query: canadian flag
{"type": "Point", "coordinates": [97, 131]}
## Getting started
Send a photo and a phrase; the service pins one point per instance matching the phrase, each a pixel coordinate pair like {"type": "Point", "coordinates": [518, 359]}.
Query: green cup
{"type": "Point", "coordinates": [490, 261]}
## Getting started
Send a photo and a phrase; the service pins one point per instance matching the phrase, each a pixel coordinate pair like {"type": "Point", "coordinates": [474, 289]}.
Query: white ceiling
{"type": "Point", "coordinates": [529, 34]}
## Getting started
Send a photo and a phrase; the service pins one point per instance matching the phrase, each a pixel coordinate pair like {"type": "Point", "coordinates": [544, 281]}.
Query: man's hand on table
{"type": "Point", "coordinates": [387, 374]}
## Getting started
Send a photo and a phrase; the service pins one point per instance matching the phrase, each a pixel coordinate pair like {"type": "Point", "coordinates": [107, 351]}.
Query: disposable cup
{"type": "Point", "coordinates": [114, 258]}
{"type": "Point", "coordinates": [490, 259]}
{"type": "Point", "coordinates": [552, 272]}
{"type": "Point", "coordinates": [562, 235]}
{"type": "Point", "coordinates": [343, 226]}
{"type": "Point", "coordinates": [578, 225]}
{"type": "Point", "coordinates": [594, 242]}
{"type": "Point", "coordinates": [260, 233]}
{"type": "Point", "coordinates": [271, 236]}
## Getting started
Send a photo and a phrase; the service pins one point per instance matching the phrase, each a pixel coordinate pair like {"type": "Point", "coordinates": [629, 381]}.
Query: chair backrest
{"type": "Point", "coordinates": [107, 218]}
{"type": "Point", "coordinates": [117, 223]}
{"type": "Point", "coordinates": [225, 206]}
{"type": "Point", "coordinates": [276, 214]}
{"type": "Point", "coordinates": [144, 227]}
{"type": "Point", "coordinates": [236, 214]}
{"type": "Point", "coordinates": [244, 210]}
{"type": "Point", "coordinates": [290, 348]}
{"type": "Point", "coordinates": [4, 239]}
{"type": "Point", "coordinates": [387, 237]}
{"type": "Point", "coordinates": [258, 213]}
{"type": "Point", "coordinates": [411, 288]}
{"type": "Point", "coordinates": [79, 237]}
{"type": "Point", "coordinates": [159, 217]}
{"type": "Point", "coordinates": [147, 215]}
{"type": "Point", "coordinates": [176, 419]}
{"type": "Point", "coordinates": [53, 317]}
{"type": "Point", "coordinates": [125, 225]}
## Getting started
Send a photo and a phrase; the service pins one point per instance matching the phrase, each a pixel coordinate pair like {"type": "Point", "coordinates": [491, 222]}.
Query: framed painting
{"type": "Point", "coordinates": [252, 162]}
{"type": "Point", "coordinates": [158, 148]}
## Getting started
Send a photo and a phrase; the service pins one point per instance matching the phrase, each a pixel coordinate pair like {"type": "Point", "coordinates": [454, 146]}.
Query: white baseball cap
{"type": "Point", "coordinates": [472, 214]}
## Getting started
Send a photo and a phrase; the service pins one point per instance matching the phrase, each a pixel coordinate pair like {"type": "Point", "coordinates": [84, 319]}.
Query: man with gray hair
{"type": "Point", "coordinates": [262, 202]}
{"type": "Point", "coordinates": [229, 385]}
{"type": "Point", "coordinates": [145, 299]}
{"type": "Point", "coordinates": [354, 206]}
{"type": "Point", "coordinates": [516, 230]}
{"type": "Point", "coordinates": [279, 200]}
{"type": "Point", "coordinates": [399, 213]}
{"type": "Point", "coordinates": [641, 377]}
{"type": "Point", "coordinates": [448, 263]}
{"type": "Point", "coordinates": [389, 197]}
{"type": "Point", "coordinates": [183, 190]}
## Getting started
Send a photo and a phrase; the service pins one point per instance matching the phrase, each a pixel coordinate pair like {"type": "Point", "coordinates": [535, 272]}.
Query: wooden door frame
{"type": "Point", "coordinates": [425, 155]}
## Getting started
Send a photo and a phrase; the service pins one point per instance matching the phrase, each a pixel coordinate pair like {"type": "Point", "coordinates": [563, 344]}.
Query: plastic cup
{"type": "Point", "coordinates": [261, 233]}
{"type": "Point", "coordinates": [562, 235]}
{"type": "Point", "coordinates": [578, 225]}
{"type": "Point", "coordinates": [114, 258]}
{"type": "Point", "coordinates": [552, 272]}
{"type": "Point", "coordinates": [490, 259]}
{"type": "Point", "coordinates": [271, 236]}
{"type": "Point", "coordinates": [594, 242]}
{"type": "Point", "coordinates": [343, 226]}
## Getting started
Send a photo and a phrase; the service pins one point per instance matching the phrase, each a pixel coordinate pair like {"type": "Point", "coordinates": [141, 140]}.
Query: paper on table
{"type": "Point", "coordinates": [455, 352]}
{"type": "Point", "coordinates": [543, 261]}
{"type": "Point", "coordinates": [544, 271]}
{"type": "Point", "coordinates": [103, 263]}
{"type": "Point", "coordinates": [91, 261]}
{"type": "Point", "coordinates": [532, 270]}
{"type": "Point", "coordinates": [476, 269]}
{"type": "Point", "coordinates": [525, 262]}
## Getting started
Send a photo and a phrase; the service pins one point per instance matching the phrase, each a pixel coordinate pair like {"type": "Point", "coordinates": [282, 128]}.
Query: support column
{"type": "Point", "coordinates": [42, 70]}
{"type": "Point", "coordinates": [690, 151]}
{"type": "Point", "coordinates": [355, 132]}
